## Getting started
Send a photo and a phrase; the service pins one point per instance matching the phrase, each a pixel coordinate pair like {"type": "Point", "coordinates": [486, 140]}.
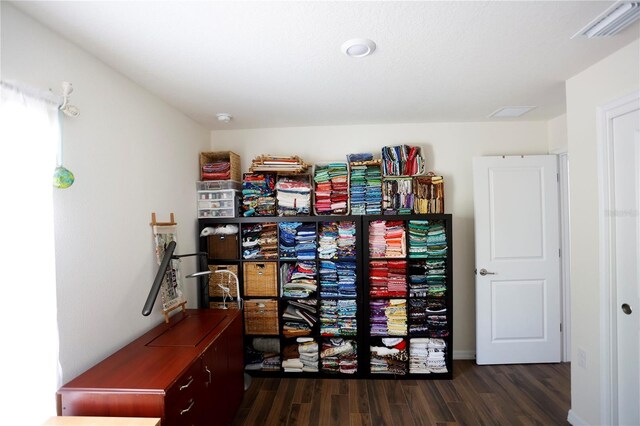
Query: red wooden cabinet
{"type": "Point", "coordinates": [187, 372]}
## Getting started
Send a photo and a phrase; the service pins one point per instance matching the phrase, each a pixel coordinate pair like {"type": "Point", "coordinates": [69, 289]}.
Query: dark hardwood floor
{"type": "Point", "coordinates": [534, 394]}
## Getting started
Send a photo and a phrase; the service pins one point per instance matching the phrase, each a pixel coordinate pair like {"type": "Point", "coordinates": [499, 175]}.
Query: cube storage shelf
{"type": "Point", "coordinates": [395, 312]}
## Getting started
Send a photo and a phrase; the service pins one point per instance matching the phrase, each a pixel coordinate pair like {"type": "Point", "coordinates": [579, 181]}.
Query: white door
{"type": "Point", "coordinates": [626, 250]}
{"type": "Point", "coordinates": [517, 259]}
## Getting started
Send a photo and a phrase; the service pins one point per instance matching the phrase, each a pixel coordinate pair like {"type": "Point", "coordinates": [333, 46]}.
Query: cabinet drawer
{"type": "Point", "coordinates": [182, 397]}
{"type": "Point", "coordinates": [223, 246]}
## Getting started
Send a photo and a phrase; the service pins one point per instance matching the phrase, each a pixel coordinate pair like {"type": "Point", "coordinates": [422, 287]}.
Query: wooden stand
{"type": "Point", "coordinates": [165, 312]}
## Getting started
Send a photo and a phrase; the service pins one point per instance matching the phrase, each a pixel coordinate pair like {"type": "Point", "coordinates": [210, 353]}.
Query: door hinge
{"type": "Point", "coordinates": [559, 252]}
{"type": "Point", "coordinates": [560, 326]}
{"type": "Point", "coordinates": [558, 177]}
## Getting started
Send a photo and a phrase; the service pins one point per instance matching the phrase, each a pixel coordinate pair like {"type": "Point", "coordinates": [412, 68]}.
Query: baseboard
{"type": "Point", "coordinates": [575, 420]}
{"type": "Point", "coordinates": [464, 355]}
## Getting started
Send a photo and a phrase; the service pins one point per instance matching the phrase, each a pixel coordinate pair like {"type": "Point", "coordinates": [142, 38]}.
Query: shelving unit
{"type": "Point", "coordinates": [408, 296]}
{"type": "Point", "coordinates": [335, 279]}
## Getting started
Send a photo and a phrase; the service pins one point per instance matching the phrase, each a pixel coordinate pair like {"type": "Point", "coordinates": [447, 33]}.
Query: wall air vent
{"type": "Point", "coordinates": [613, 20]}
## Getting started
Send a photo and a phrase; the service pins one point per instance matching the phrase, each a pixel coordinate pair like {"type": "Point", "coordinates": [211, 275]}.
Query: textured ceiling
{"type": "Point", "coordinates": [279, 64]}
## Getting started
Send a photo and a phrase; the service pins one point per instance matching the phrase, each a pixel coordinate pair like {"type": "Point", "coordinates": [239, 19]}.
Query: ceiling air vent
{"type": "Point", "coordinates": [612, 21]}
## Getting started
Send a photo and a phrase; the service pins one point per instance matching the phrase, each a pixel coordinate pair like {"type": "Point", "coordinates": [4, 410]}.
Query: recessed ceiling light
{"type": "Point", "coordinates": [224, 117]}
{"type": "Point", "coordinates": [358, 47]}
{"type": "Point", "coordinates": [511, 111]}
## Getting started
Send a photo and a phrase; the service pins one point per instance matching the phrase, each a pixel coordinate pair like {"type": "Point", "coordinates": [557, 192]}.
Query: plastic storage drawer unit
{"type": "Point", "coordinates": [220, 203]}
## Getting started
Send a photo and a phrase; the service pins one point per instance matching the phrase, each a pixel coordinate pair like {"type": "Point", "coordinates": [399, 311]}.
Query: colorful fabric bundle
{"type": "Point", "coordinates": [258, 197]}
{"type": "Point", "coordinates": [339, 355]}
{"type": "Point", "coordinates": [427, 239]}
{"type": "Point", "coordinates": [337, 240]}
{"type": "Point", "coordinates": [301, 356]}
{"type": "Point", "coordinates": [216, 170]}
{"type": "Point", "coordinates": [338, 318]}
{"type": "Point", "coordinates": [260, 241]}
{"type": "Point", "coordinates": [402, 160]}
{"type": "Point", "coordinates": [331, 189]}
{"type": "Point", "coordinates": [365, 185]}
{"type": "Point", "coordinates": [388, 278]}
{"type": "Point", "coordinates": [397, 195]}
{"type": "Point", "coordinates": [298, 279]}
{"type": "Point", "coordinates": [387, 238]}
{"type": "Point", "coordinates": [298, 319]}
{"type": "Point", "coordinates": [418, 316]}
{"type": "Point", "coordinates": [297, 240]}
{"type": "Point", "coordinates": [389, 356]}
{"type": "Point", "coordinates": [293, 195]}
{"type": "Point", "coordinates": [337, 279]}
{"type": "Point", "coordinates": [388, 317]}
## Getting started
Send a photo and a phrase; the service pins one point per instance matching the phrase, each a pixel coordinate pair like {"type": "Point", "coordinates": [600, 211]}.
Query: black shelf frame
{"type": "Point", "coordinates": [363, 337]}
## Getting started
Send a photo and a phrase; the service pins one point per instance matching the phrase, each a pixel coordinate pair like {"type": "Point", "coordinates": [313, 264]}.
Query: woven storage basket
{"type": "Point", "coordinates": [260, 279]}
{"type": "Point", "coordinates": [261, 316]}
{"type": "Point", "coordinates": [231, 157]}
{"type": "Point", "coordinates": [429, 194]}
{"type": "Point", "coordinates": [224, 279]}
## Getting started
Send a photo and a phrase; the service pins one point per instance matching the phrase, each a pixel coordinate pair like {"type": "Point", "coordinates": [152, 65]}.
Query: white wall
{"type": "Point", "coordinates": [132, 155]}
{"type": "Point", "coordinates": [449, 148]}
{"type": "Point", "coordinates": [609, 79]}
{"type": "Point", "coordinates": [557, 134]}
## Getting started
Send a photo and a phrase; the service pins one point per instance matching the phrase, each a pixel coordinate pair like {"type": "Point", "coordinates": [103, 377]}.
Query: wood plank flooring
{"type": "Point", "coordinates": [533, 394]}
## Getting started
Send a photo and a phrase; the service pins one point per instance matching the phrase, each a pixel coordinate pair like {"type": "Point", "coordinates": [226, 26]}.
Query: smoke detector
{"type": "Point", "coordinates": [224, 117]}
{"type": "Point", "coordinates": [358, 47]}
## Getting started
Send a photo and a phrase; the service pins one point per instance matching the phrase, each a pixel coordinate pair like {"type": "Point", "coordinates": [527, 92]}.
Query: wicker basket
{"type": "Point", "coordinates": [261, 316]}
{"type": "Point", "coordinates": [224, 279]}
{"type": "Point", "coordinates": [429, 194]}
{"type": "Point", "coordinates": [260, 279]}
{"type": "Point", "coordinates": [231, 157]}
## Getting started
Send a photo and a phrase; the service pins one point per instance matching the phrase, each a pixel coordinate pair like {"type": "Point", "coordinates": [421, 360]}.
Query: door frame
{"type": "Point", "coordinates": [608, 323]}
{"type": "Point", "coordinates": [565, 253]}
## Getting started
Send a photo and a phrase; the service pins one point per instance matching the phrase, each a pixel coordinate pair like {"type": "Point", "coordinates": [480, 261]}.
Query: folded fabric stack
{"type": "Point", "coordinates": [418, 316]}
{"type": "Point", "coordinates": [298, 319]}
{"type": "Point", "coordinates": [377, 242]}
{"type": "Point", "coordinates": [260, 241]}
{"type": "Point", "coordinates": [389, 357]}
{"type": "Point", "coordinates": [216, 170]}
{"type": "Point", "coordinates": [373, 194]}
{"type": "Point", "coordinates": [436, 362]}
{"type": "Point", "coordinates": [418, 238]}
{"type": "Point", "coordinates": [388, 317]}
{"type": "Point", "coordinates": [338, 318]}
{"type": "Point", "coordinates": [358, 189]}
{"type": "Point", "coordinates": [258, 197]}
{"type": "Point", "coordinates": [332, 189]}
{"type": "Point", "coordinates": [388, 278]}
{"type": "Point", "coordinates": [297, 240]}
{"type": "Point", "coordinates": [419, 355]}
{"type": "Point", "coordinates": [436, 241]}
{"type": "Point", "coordinates": [263, 354]}
{"type": "Point", "coordinates": [427, 278]}
{"type": "Point", "coordinates": [395, 238]}
{"type": "Point", "coordinates": [437, 325]}
{"type": "Point", "coordinates": [339, 356]}
{"type": "Point", "coordinates": [328, 243]}
{"type": "Point", "coordinates": [397, 195]}
{"type": "Point", "coordinates": [301, 356]}
{"type": "Point", "coordinates": [298, 279]}
{"type": "Point", "coordinates": [337, 279]}
{"type": "Point", "coordinates": [429, 194]}
{"type": "Point", "coordinates": [387, 238]}
{"type": "Point", "coordinates": [346, 240]}
{"type": "Point", "coordinates": [293, 195]}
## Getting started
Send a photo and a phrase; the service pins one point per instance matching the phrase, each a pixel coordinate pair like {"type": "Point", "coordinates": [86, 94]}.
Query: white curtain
{"type": "Point", "coordinates": [30, 371]}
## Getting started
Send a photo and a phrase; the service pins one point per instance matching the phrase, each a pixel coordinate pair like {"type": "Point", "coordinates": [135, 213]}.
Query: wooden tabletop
{"type": "Point", "coordinates": [101, 421]}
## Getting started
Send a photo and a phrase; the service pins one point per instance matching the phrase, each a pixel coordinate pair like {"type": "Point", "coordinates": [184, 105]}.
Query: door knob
{"type": "Point", "coordinates": [484, 272]}
{"type": "Point", "coordinates": [626, 309]}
